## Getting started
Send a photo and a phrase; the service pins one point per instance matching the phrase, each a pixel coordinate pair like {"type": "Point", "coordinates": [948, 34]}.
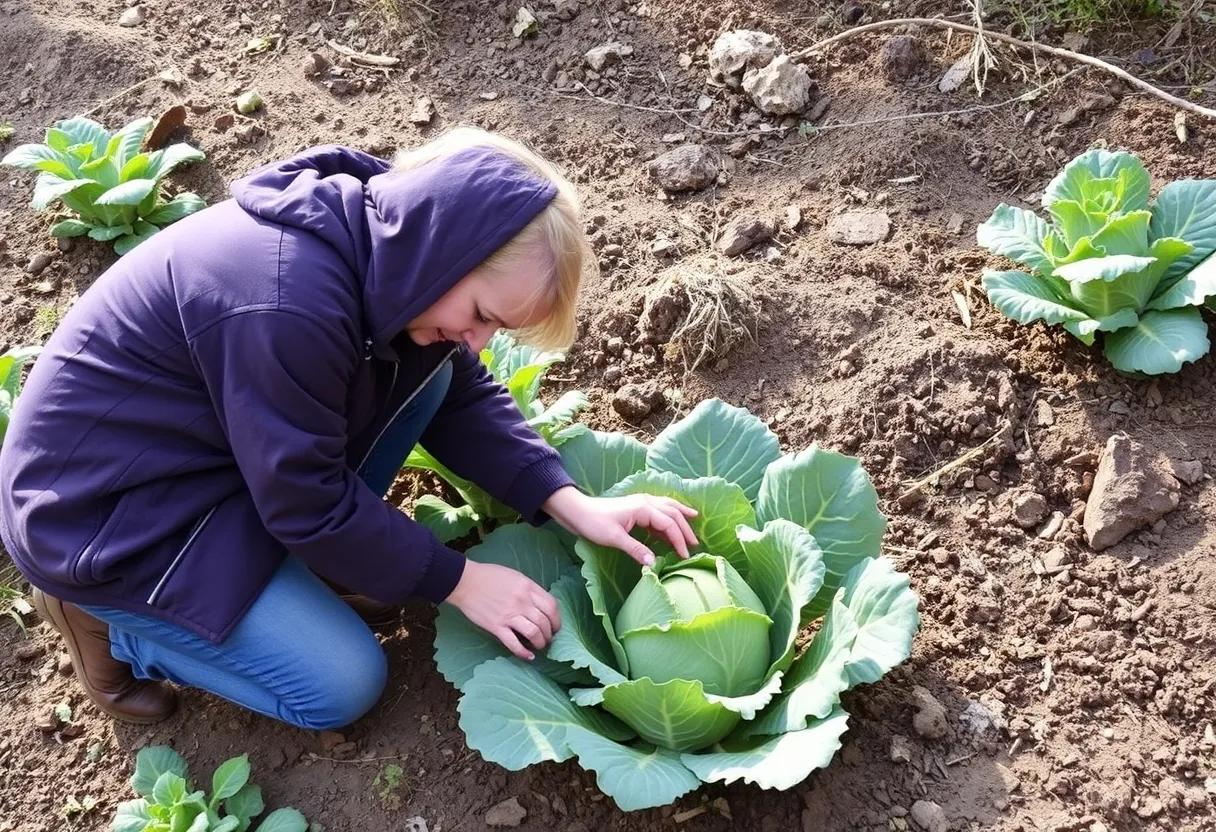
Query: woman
{"type": "Point", "coordinates": [210, 431]}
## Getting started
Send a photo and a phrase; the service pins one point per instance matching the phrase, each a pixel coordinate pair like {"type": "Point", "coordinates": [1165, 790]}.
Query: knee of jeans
{"type": "Point", "coordinates": [345, 686]}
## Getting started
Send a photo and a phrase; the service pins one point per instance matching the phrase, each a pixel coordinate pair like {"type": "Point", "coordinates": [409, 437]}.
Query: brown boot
{"type": "Point", "coordinates": [376, 615]}
{"type": "Point", "coordinates": [107, 681]}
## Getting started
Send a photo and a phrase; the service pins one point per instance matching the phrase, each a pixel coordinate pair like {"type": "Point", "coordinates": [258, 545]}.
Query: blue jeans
{"type": "Point", "coordinates": [299, 654]}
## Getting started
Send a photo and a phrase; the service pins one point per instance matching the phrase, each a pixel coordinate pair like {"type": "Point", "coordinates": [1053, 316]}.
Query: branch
{"type": "Point", "coordinates": [1067, 54]}
{"type": "Point", "coordinates": [364, 57]}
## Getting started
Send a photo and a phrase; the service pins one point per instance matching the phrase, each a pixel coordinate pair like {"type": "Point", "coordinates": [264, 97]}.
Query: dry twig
{"type": "Point", "coordinates": [364, 57]}
{"type": "Point", "coordinates": [1067, 54]}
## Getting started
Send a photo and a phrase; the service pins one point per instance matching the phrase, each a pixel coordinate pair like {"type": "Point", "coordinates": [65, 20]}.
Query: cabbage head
{"type": "Point", "coordinates": [688, 672]}
{"type": "Point", "coordinates": [1110, 262]}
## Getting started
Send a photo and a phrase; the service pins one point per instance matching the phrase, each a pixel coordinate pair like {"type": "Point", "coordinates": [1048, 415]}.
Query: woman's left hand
{"type": "Point", "coordinates": [608, 520]}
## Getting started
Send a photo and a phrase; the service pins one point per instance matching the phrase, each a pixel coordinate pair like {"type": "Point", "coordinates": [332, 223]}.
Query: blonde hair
{"type": "Point", "coordinates": [558, 228]}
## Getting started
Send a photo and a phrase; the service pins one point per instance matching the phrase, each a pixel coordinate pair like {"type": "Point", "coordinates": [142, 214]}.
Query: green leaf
{"type": "Point", "coordinates": [1017, 234]}
{"type": "Point", "coordinates": [831, 496]}
{"type": "Point", "coordinates": [1193, 289]}
{"type": "Point", "coordinates": [1101, 179]}
{"type": "Point", "coordinates": [785, 569]}
{"type": "Point", "coordinates": [460, 646]}
{"type": "Point", "coordinates": [884, 608]}
{"type": "Point", "coordinates": [716, 440]}
{"type": "Point", "coordinates": [674, 714]}
{"type": "Point", "coordinates": [85, 131]}
{"type": "Point", "coordinates": [199, 824]}
{"type": "Point", "coordinates": [608, 575]}
{"type": "Point", "coordinates": [169, 788]}
{"type": "Point", "coordinates": [130, 139]}
{"type": "Point", "coordinates": [726, 649]}
{"type": "Point", "coordinates": [597, 461]}
{"type": "Point", "coordinates": [56, 139]}
{"type": "Point", "coordinates": [516, 717]}
{"type": "Point", "coordinates": [142, 231]}
{"type": "Point", "coordinates": [245, 804]}
{"type": "Point", "coordinates": [70, 228]}
{"type": "Point", "coordinates": [229, 824]}
{"type": "Point", "coordinates": [1187, 209]}
{"type": "Point", "coordinates": [1160, 343]}
{"type": "Point", "coordinates": [131, 816]}
{"type": "Point", "coordinates": [48, 188]}
{"type": "Point", "coordinates": [446, 522]}
{"type": "Point", "coordinates": [180, 206]}
{"type": "Point", "coordinates": [635, 778]}
{"type": "Point", "coordinates": [562, 412]}
{"type": "Point", "coordinates": [581, 641]}
{"type": "Point", "coordinates": [151, 763]}
{"type": "Point", "coordinates": [286, 819]}
{"type": "Point", "coordinates": [1105, 269]}
{"type": "Point", "coordinates": [1074, 223]}
{"type": "Point", "coordinates": [105, 233]}
{"type": "Point", "coordinates": [229, 778]}
{"type": "Point", "coordinates": [815, 680]}
{"type": "Point", "coordinates": [777, 763]}
{"type": "Point", "coordinates": [162, 162]}
{"type": "Point", "coordinates": [128, 193]}
{"type": "Point", "coordinates": [1124, 234]}
{"type": "Point", "coordinates": [36, 157]}
{"type": "Point", "coordinates": [1124, 317]}
{"type": "Point", "coordinates": [1026, 298]}
{"type": "Point", "coordinates": [720, 505]}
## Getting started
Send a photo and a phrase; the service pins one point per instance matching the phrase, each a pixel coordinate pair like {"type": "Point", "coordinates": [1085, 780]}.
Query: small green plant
{"type": "Point", "coordinates": [1111, 263]}
{"type": "Point", "coordinates": [13, 603]}
{"type": "Point", "coordinates": [520, 369]}
{"type": "Point", "coordinates": [168, 802]}
{"type": "Point", "coordinates": [388, 786]}
{"type": "Point", "coordinates": [11, 365]}
{"type": "Point", "coordinates": [691, 671]}
{"type": "Point", "coordinates": [45, 321]}
{"type": "Point", "coordinates": [6, 131]}
{"type": "Point", "coordinates": [111, 187]}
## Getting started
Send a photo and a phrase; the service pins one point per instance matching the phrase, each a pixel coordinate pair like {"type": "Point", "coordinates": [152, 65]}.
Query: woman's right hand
{"type": "Point", "coordinates": [508, 605]}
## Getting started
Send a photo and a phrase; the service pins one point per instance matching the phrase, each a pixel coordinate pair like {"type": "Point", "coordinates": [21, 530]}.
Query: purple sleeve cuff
{"type": "Point", "coordinates": [441, 577]}
{"type": "Point", "coordinates": [535, 484]}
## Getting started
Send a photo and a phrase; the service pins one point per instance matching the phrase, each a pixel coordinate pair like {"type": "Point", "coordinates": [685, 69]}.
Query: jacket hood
{"type": "Point", "coordinates": [409, 236]}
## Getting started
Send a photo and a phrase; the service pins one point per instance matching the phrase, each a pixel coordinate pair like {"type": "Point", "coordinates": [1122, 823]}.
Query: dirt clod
{"type": "Point", "coordinates": [38, 263]}
{"type": "Point", "coordinates": [930, 720]}
{"type": "Point", "coordinates": [744, 232]}
{"type": "Point", "coordinates": [507, 813]}
{"type": "Point", "coordinates": [859, 228]}
{"type": "Point", "coordinates": [689, 167]}
{"type": "Point", "coordinates": [929, 816]}
{"type": "Point", "coordinates": [737, 51]}
{"type": "Point", "coordinates": [634, 402]}
{"type": "Point", "coordinates": [902, 57]}
{"type": "Point", "coordinates": [1132, 489]}
{"type": "Point", "coordinates": [1029, 509]}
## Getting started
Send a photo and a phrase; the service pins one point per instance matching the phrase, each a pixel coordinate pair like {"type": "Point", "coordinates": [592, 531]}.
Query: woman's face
{"type": "Point", "coordinates": [484, 301]}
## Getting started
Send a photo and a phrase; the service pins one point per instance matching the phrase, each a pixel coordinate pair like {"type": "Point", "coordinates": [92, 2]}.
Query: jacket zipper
{"type": "Point", "coordinates": [160, 585]}
{"type": "Point", "coordinates": [403, 405]}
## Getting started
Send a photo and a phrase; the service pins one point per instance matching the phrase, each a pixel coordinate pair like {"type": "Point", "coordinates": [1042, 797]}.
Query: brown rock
{"type": "Point", "coordinates": [859, 228]}
{"type": "Point", "coordinates": [930, 720]}
{"type": "Point", "coordinates": [689, 167]}
{"type": "Point", "coordinates": [902, 57]}
{"type": "Point", "coordinates": [929, 816]}
{"type": "Point", "coordinates": [744, 232]}
{"type": "Point", "coordinates": [331, 739]}
{"type": "Point", "coordinates": [507, 813]}
{"type": "Point", "coordinates": [634, 402]}
{"type": "Point", "coordinates": [1188, 472]}
{"type": "Point", "coordinates": [1029, 509]}
{"type": "Point", "coordinates": [1132, 489]}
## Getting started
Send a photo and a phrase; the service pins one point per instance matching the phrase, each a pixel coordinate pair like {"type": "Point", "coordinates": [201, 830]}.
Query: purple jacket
{"type": "Point", "coordinates": [201, 410]}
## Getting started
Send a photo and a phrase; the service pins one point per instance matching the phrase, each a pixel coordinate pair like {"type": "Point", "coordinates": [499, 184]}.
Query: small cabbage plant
{"type": "Point", "coordinates": [1111, 262]}
{"type": "Point", "coordinates": [521, 369]}
{"type": "Point", "coordinates": [11, 365]}
{"type": "Point", "coordinates": [110, 185]}
{"type": "Point", "coordinates": [666, 677]}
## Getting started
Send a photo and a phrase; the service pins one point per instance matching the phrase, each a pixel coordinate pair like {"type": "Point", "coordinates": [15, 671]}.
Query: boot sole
{"type": "Point", "coordinates": [52, 613]}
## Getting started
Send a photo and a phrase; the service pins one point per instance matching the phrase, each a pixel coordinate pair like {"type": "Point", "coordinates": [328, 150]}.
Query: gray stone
{"type": "Point", "coordinates": [902, 57]}
{"type": "Point", "coordinates": [1029, 509]}
{"type": "Point", "coordinates": [507, 813]}
{"type": "Point", "coordinates": [780, 88]}
{"type": "Point", "coordinates": [132, 17]}
{"type": "Point", "coordinates": [744, 232]}
{"type": "Point", "coordinates": [859, 228]}
{"type": "Point", "coordinates": [607, 54]}
{"type": "Point", "coordinates": [1133, 488]}
{"type": "Point", "coordinates": [424, 111]}
{"type": "Point", "coordinates": [38, 263]}
{"type": "Point", "coordinates": [1188, 472]}
{"type": "Point", "coordinates": [634, 402]}
{"type": "Point", "coordinates": [689, 167]}
{"type": "Point", "coordinates": [737, 51]}
{"type": "Point", "coordinates": [929, 721]}
{"type": "Point", "coordinates": [929, 816]}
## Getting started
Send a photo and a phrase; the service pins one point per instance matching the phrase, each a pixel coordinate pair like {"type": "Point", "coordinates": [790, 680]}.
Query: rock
{"type": "Point", "coordinates": [132, 17]}
{"type": "Point", "coordinates": [607, 54]}
{"type": "Point", "coordinates": [929, 816]}
{"type": "Point", "coordinates": [859, 228]}
{"type": "Point", "coordinates": [38, 262]}
{"type": "Point", "coordinates": [566, 9]}
{"type": "Point", "coordinates": [1057, 560]}
{"type": "Point", "coordinates": [1044, 415]}
{"type": "Point", "coordinates": [64, 664]}
{"type": "Point", "coordinates": [331, 739]}
{"type": "Point", "coordinates": [954, 77]}
{"type": "Point", "coordinates": [929, 721]}
{"type": "Point", "coordinates": [507, 813]}
{"type": "Point", "coordinates": [1029, 509]}
{"type": "Point", "coordinates": [664, 310]}
{"type": "Point", "coordinates": [28, 652]}
{"type": "Point", "coordinates": [901, 749]}
{"type": "Point", "coordinates": [780, 88]}
{"type": "Point", "coordinates": [1188, 472]}
{"type": "Point", "coordinates": [315, 64]}
{"type": "Point", "coordinates": [739, 50]}
{"type": "Point", "coordinates": [634, 402]}
{"type": "Point", "coordinates": [744, 232]}
{"type": "Point", "coordinates": [902, 57]}
{"type": "Point", "coordinates": [72, 731]}
{"type": "Point", "coordinates": [423, 112]}
{"type": "Point", "coordinates": [793, 217]}
{"type": "Point", "coordinates": [1132, 489]}
{"type": "Point", "coordinates": [689, 167]}
{"type": "Point", "coordinates": [48, 723]}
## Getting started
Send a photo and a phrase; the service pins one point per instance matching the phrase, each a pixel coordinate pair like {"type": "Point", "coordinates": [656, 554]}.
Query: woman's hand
{"type": "Point", "coordinates": [608, 520]}
{"type": "Point", "coordinates": [508, 605]}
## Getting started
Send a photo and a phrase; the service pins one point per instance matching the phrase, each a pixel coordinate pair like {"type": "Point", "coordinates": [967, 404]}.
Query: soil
{"type": "Point", "coordinates": [1075, 698]}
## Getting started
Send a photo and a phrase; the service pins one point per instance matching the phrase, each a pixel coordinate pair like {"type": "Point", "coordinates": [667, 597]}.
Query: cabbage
{"type": "Point", "coordinates": [1110, 263]}
{"type": "Point", "coordinates": [665, 677]}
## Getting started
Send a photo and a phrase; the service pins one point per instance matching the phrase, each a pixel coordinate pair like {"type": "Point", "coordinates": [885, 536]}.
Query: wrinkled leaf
{"type": "Point", "coordinates": [1161, 342]}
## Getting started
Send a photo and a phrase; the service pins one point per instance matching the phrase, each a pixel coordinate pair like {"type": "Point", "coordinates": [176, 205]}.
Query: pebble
{"type": "Point", "coordinates": [507, 813]}
{"type": "Point", "coordinates": [331, 739]}
{"type": "Point", "coordinates": [744, 232]}
{"type": "Point", "coordinates": [689, 167]}
{"type": "Point", "coordinates": [929, 816]}
{"type": "Point", "coordinates": [1086, 623]}
{"type": "Point", "coordinates": [1188, 472]}
{"type": "Point", "coordinates": [423, 112]}
{"type": "Point", "coordinates": [133, 16]}
{"type": "Point", "coordinates": [1029, 509]}
{"type": "Point", "coordinates": [28, 652]}
{"type": "Point", "coordinates": [634, 402]}
{"type": "Point", "coordinates": [901, 749]}
{"type": "Point", "coordinates": [1132, 489]}
{"type": "Point", "coordinates": [38, 262]}
{"type": "Point", "coordinates": [859, 228]}
{"type": "Point", "coordinates": [64, 664]}
{"type": "Point", "coordinates": [607, 54]}
{"type": "Point", "coordinates": [929, 721]}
